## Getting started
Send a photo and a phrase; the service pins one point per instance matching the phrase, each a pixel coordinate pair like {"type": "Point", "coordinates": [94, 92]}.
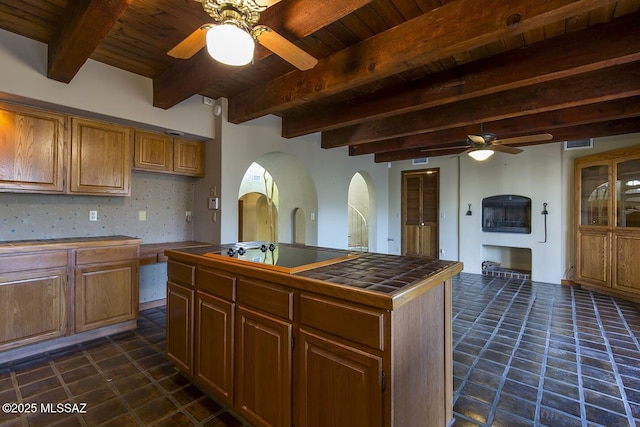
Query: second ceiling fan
{"type": "Point", "coordinates": [230, 38]}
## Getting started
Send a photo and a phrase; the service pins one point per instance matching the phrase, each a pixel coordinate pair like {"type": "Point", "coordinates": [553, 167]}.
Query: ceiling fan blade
{"type": "Point", "coordinates": [191, 44]}
{"type": "Point", "coordinates": [524, 139]}
{"type": "Point", "coordinates": [455, 147]}
{"type": "Point", "coordinates": [476, 139]}
{"type": "Point", "coordinates": [505, 149]}
{"type": "Point", "coordinates": [267, 3]}
{"type": "Point", "coordinates": [284, 48]}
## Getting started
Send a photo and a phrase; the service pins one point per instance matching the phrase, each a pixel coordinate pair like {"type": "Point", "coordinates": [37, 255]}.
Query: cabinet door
{"type": "Point", "coordinates": [31, 150]}
{"type": "Point", "coordinates": [263, 368]}
{"type": "Point", "coordinates": [592, 253]}
{"type": "Point", "coordinates": [338, 385]}
{"type": "Point", "coordinates": [32, 307]}
{"type": "Point", "coordinates": [105, 295]}
{"type": "Point", "coordinates": [100, 158]}
{"type": "Point", "coordinates": [153, 152]}
{"type": "Point", "coordinates": [214, 346]}
{"type": "Point", "coordinates": [626, 269]}
{"type": "Point", "coordinates": [188, 157]}
{"type": "Point", "coordinates": [179, 340]}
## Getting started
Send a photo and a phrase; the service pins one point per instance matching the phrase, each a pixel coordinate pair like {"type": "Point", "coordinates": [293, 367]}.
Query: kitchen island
{"type": "Point", "coordinates": [298, 335]}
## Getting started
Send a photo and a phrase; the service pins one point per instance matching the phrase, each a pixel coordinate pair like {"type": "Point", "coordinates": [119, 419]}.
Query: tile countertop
{"type": "Point", "coordinates": [15, 246]}
{"type": "Point", "coordinates": [391, 275]}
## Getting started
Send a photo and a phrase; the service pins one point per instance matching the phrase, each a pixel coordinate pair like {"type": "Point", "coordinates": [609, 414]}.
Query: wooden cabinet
{"type": "Point", "coordinates": [153, 152]}
{"type": "Point", "coordinates": [106, 290]}
{"type": "Point", "coordinates": [63, 291]}
{"type": "Point", "coordinates": [188, 157]}
{"type": "Point", "coordinates": [180, 327]}
{"type": "Point", "coordinates": [100, 158]}
{"type": "Point", "coordinates": [161, 153]}
{"type": "Point", "coordinates": [31, 150]}
{"type": "Point", "coordinates": [264, 353]}
{"type": "Point", "coordinates": [281, 349]}
{"type": "Point", "coordinates": [341, 377]}
{"type": "Point", "coordinates": [33, 289]}
{"type": "Point", "coordinates": [214, 333]}
{"type": "Point", "coordinates": [180, 315]}
{"type": "Point", "coordinates": [607, 197]}
{"type": "Point", "coordinates": [338, 384]}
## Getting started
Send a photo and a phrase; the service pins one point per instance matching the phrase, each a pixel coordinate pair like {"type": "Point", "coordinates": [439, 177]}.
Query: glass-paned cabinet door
{"type": "Point", "coordinates": [594, 195]}
{"type": "Point", "coordinates": [628, 193]}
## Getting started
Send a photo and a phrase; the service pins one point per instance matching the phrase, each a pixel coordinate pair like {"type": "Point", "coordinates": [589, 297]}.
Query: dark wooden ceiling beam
{"type": "Point", "coordinates": [84, 25]}
{"type": "Point", "coordinates": [428, 38]}
{"type": "Point", "coordinates": [545, 122]}
{"type": "Point", "coordinates": [587, 88]}
{"type": "Point", "coordinates": [591, 130]}
{"type": "Point", "coordinates": [597, 47]}
{"type": "Point", "coordinates": [293, 18]}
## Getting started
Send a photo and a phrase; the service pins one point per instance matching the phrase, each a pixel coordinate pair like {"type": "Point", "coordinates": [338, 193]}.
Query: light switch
{"type": "Point", "coordinates": [142, 215]}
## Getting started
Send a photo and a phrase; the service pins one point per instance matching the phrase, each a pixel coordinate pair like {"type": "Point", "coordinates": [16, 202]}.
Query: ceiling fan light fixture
{"type": "Point", "coordinates": [230, 44]}
{"type": "Point", "coordinates": [480, 155]}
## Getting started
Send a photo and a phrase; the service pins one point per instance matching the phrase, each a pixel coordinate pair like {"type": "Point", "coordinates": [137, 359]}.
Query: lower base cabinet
{"type": "Point", "coordinates": [58, 292]}
{"type": "Point", "coordinates": [338, 385]}
{"type": "Point", "coordinates": [32, 307]}
{"type": "Point", "coordinates": [179, 332]}
{"type": "Point", "coordinates": [263, 368]}
{"type": "Point", "coordinates": [214, 365]}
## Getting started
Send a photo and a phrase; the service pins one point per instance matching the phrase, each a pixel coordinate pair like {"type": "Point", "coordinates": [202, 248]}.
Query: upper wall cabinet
{"type": "Point", "coordinates": [161, 153]}
{"type": "Point", "coordinates": [31, 150]}
{"type": "Point", "coordinates": [100, 158]}
{"type": "Point", "coordinates": [188, 157]}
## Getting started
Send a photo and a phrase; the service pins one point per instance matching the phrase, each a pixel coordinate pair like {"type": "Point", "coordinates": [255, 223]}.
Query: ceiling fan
{"type": "Point", "coordinates": [231, 38]}
{"type": "Point", "coordinates": [482, 145]}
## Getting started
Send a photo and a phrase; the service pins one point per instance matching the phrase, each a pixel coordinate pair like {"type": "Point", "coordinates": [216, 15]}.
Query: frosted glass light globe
{"type": "Point", "coordinates": [230, 45]}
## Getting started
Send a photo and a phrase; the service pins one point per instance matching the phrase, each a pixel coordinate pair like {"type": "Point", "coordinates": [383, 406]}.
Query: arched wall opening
{"type": "Point", "coordinates": [283, 179]}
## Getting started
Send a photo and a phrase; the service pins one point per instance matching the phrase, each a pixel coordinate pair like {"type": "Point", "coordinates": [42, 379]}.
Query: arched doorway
{"type": "Point", "coordinates": [258, 201]}
{"type": "Point", "coordinates": [358, 214]}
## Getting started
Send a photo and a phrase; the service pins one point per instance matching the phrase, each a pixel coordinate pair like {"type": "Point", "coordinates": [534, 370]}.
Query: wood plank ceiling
{"type": "Point", "coordinates": [399, 79]}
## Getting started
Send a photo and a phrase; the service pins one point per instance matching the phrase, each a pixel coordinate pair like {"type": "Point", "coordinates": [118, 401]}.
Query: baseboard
{"type": "Point", "coordinates": [20, 353]}
{"type": "Point", "coordinates": [152, 304]}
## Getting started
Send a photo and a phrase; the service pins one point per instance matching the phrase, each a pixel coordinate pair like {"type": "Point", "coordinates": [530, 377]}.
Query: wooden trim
{"type": "Point", "coordinates": [152, 304]}
{"type": "Point", "coordinates": [56, 343]}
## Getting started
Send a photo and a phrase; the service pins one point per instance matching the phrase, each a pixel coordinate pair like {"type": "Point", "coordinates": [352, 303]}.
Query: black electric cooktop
{"type": "Point", "coordinates": [283, 258]}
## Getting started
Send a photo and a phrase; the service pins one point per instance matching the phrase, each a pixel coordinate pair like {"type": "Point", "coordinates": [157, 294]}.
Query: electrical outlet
{"type": "Point", "coordinates": [93, 215]}
{"type": "Point", "coordinates": [142, 215]}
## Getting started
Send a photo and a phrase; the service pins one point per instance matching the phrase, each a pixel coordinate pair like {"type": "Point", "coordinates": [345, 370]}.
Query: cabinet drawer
{"type": "Point", "coordinates": [357, 324]}
{"type": "Point", "coordinates": [181, 273]}
{"type": "Point", "coordinates": [110, 254]}
{"type": "Point", "coordinates": [216, 284]}
{"type": "Point", "coordinates": [266, 297]}
{"type": "Point", "coordinates": [33, 261]}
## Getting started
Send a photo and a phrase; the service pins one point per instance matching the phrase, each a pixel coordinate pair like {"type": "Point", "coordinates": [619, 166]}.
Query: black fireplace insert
{"type": "Point", "coordinates": [506, 213]}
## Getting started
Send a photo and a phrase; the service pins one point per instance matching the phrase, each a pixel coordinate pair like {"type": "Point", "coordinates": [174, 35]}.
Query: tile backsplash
{"type": "Point", "coordinates": [165, 199]}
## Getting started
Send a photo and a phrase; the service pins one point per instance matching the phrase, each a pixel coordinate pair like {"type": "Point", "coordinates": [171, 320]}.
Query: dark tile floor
{"type": "Point", "coordinates": [525, 354]}
{"type": "Point", "coordinates": [535, 354]}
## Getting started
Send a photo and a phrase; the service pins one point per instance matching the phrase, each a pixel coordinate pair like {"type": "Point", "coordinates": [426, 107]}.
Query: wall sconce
{"type": "Point", "coordinates": [469, 213]}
